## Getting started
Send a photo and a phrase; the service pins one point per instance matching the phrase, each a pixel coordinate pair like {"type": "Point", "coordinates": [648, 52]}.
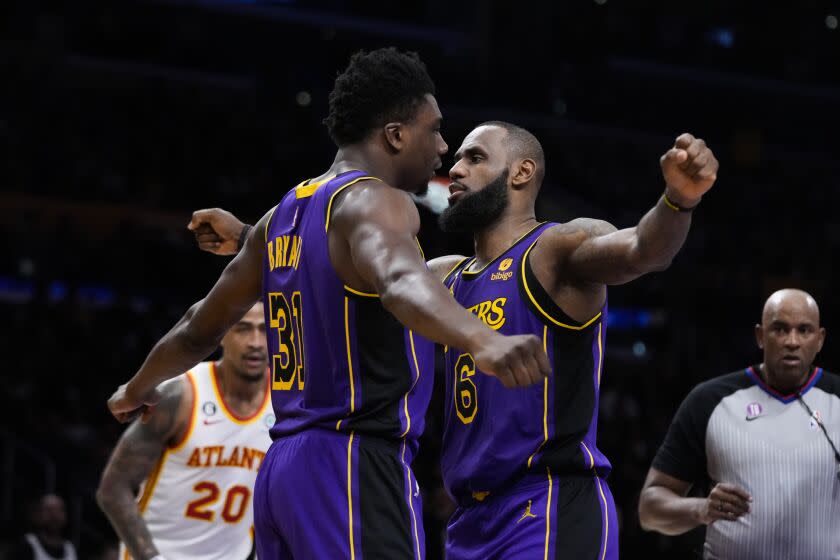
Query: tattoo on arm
{"type": "Point", "coordinates": [138, 450]}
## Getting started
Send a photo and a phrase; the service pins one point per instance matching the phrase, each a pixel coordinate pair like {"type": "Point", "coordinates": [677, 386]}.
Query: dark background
{"type": "Point", "coordinates": [118, 119]}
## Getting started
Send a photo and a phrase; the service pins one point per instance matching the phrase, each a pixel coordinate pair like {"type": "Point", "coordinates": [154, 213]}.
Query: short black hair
{"type": "Point", "coordinates": [522, 144]}
{"type": "Point", "coordinates": [377, 87]}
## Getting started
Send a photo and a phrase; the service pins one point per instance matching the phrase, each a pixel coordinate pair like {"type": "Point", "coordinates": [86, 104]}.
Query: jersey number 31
{"type": "Point", "coordinates": [287, 365]}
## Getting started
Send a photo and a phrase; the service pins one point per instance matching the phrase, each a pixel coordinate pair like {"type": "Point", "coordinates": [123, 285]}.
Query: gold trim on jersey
{"type": "Point", "coordinates": [545, 401]}
{"type": "Point", "coordinates": [305, 191]}
{"type": "Point", "coordinates": [341, 188]}
{"type": "Point", "coordinates": [453, 269]}
{"type": "Point", "coordinates": [512, 245]}
{"type": "Point", "coordinates": [416, 379]}
{"type": "Point", "coordinates": [422, 254]}
{"type": "Point", "coordinates": [268, 222]}
{"type": "Point", "coordinates": [360, 293]}
{"type": "Point", "coordinates": [410, 502]}
{"type": "Point", "coordinates": [231, 415]}
{"type": "Point", "coordinates": [350, 493]}
{"type": "Point", "coordinates": [591, 458]}
{"type": "Point", "coordinates": [606, 516]}
{"type": "Point", "coordinates": [600, 354]}
{"type": "Point", "coordinates": [349, 360]}
{"type": "Point", "coordinates": [537, 305]}
{"type": "Point", "coordinates": [193, 413]}
{"type": "Point", "coordinates": [547, 514]}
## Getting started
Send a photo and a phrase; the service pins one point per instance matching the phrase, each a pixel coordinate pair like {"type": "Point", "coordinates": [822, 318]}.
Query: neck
{"type": "Point", "coordinates": [363, 156]}
{"type": "Point", "coordinates": [786, 388]}
{"type": "Point", "coordinates": [237, 388]}
{"type": "Point", "coordinates": [495, 239]}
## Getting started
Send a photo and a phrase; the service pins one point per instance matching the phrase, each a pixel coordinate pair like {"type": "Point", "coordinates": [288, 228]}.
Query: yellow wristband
{"type": "Point", "coordinates": [674, 206]}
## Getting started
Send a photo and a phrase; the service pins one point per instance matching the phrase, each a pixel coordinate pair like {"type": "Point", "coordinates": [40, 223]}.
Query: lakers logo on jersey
{"type": "Point", "coordinates": [491, 312]}
{"type": "Point", "coordinates": [503, 273]}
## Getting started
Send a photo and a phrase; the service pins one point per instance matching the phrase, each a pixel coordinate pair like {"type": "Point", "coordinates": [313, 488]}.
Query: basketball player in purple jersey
{"type": "Point", "coordinates": [523, 466]}
{"type": "Point", "coordinates": [339, 268]}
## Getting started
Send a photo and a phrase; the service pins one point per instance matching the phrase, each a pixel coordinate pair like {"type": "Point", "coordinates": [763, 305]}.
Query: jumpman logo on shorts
{"type": "Point", "coordinates": [527, 512]}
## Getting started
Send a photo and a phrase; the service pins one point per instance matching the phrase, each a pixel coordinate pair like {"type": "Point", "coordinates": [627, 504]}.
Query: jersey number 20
{"type": "Point", "coordinates": [236, 502]}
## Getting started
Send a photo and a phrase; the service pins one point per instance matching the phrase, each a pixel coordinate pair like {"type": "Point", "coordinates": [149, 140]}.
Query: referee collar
{"type": "Point", "coordinates": [753, 373]}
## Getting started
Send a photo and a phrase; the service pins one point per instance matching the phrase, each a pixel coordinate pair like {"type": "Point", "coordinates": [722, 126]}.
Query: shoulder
{"type": "Point", "coordinates": [175, 407]}
{"type": "Point", "coordinates": [830, 383]}
{"type": "Point", "coordinates": [368, 192]}
{"type": "Point", "coordinates": [259, 233]}
{"type": "Point", "coordinates": [375, 202]}
{"type": "Point", "coordinates": [708, 394]}
{"type": "Point", "coordinates": [564, 238]}
{"type": "Point", "coordinates": [441, 267]}
{"type": "Point", "coordinates": [177, 388]}
{"type": "Point", "coordinates": [579, 228]}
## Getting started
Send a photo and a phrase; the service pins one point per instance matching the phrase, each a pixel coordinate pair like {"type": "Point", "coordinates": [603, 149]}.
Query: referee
{"type": "Point", "coordinates": [765, 439]}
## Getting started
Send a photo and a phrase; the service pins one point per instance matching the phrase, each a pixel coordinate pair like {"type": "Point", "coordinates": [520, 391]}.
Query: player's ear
{"type": "Point", "coordinates": [395, 136]}
{"type": "Point", "coordinates": [759, 335]}
{"type": "Point", "coordinates": [522, 172]}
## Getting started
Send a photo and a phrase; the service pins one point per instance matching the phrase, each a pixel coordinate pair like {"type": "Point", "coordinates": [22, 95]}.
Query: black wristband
{"type": "Point", "coordinates": [674, 206]}
{"type": "Point", "coordinates": [242, 237]}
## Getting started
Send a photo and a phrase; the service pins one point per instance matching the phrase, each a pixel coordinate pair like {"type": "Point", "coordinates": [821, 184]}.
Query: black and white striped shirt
{"type": "Point", "coordinates": [736, 429]}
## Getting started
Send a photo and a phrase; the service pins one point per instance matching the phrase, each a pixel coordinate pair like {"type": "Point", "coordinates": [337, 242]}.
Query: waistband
{"type": "Point", "coordinates": [523, 482]}
{"type": "Point", "coordinates": [392, 447]}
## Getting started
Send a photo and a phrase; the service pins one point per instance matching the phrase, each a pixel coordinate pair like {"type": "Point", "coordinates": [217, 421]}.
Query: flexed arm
{"type": "Point", "coordinates": [198, 333]}
{"type": "Point", "coordinates": [593, 252]}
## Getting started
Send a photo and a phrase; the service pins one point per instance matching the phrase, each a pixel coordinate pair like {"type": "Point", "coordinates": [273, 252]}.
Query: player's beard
{"type": "Point", "coordinates": [250, 376]}
{"type": "Point", "coordinates": [475, 211]}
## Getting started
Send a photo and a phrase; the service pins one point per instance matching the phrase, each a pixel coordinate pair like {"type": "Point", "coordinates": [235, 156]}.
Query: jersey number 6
{"type": "Point", "coordinates": [465, 390]}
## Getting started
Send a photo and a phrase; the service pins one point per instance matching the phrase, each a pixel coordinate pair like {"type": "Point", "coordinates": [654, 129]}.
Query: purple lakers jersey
{"type": "Point", "coordinates": [492, 434]}
{"type": "Point", "coordinates": [339, 360]}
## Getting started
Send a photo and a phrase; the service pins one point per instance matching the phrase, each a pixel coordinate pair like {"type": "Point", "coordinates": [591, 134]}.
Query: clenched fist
{"type": "Point", "coordinates": [690, 169]}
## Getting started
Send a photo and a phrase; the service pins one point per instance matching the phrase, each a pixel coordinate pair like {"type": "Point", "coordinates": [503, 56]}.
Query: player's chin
{"type": "Point", "coordinates": [253, 375]}
{"type": "Point", "coordinates": [253, 369]}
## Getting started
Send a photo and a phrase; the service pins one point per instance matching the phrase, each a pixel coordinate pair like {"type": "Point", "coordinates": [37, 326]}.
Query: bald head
{"type": "Point", "coordinates": [791, 337]}
{"type": "Point", "coordinates": [789, 301]}
{"type": "Point", "coordinates": [521, 144]}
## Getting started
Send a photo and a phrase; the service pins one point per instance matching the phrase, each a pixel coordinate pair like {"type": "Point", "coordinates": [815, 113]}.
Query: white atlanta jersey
{"type": "Point", "coordinates": [197, 500]}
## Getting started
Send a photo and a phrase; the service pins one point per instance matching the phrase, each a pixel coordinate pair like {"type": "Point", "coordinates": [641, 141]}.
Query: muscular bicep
{"type": "Point", "coordinates": [657, 478]}
{"type": "Point", "coordinates": [380, 225]}
{"type": "Point", "coordinates": [603, 254]}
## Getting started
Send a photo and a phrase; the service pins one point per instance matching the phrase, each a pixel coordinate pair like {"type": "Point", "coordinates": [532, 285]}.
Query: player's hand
{"type": "Point", "coordinates": [690, 169]}
{"type": "Point", "coordinates": [126, 406]}
{"type": "Point", "coordinates": [725, 501]}
{"type": "Point", "coordinates": [517, 360]}
{"type": "Point", "coordinates": [216, 231]}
